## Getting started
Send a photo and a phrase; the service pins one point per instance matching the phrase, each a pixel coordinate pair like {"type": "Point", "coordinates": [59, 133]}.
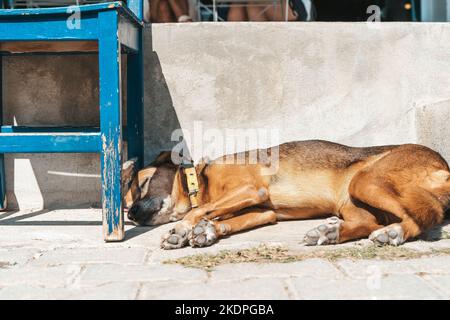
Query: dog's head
{"type": "Point", "coordinates": [157, 193]}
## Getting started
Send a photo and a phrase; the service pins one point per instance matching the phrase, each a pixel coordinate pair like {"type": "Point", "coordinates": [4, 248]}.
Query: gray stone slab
{"type": "Point", "coordinates": [123, 256]}
{"type": "Point", "coordinates": [52, 277]}
{"type": "Point", "coordinates": [433, 265]}
{"type": "Point", "coordinates": [270, 288]}
{"type": "Point", "coordinates": [112, 291]}
{"type": "Point", "coordinates": [316, 268]}
{"type": "Point", "coordinates": [17, 256]}
{"type": "Point", "coordinates": [361, 269]}
{"type": "Point", "coordinates": [440, 283]}
{"type": "Point", "coordinates": [388, 287]}
{"type": "Point", "coordinates": [105, 273]}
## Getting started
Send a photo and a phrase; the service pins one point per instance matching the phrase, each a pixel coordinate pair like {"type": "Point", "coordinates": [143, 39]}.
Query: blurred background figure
{"type": "Point", "coordinates": [356, 10]}
{"type": "Point", "coordinates": [272, 10]}
{"type": "Point", "coordinates": [321, 10]}
{"type": "Point", "coordinates": [293, 10]}
{"type": "Point", "coordinates": [163, 11]}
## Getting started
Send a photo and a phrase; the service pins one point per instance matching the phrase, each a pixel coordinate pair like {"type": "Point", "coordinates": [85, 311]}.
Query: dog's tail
{"type": "Point", "coordinates": [438, 184]}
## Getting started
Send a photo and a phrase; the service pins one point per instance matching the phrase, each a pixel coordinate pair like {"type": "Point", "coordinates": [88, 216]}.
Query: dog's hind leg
{"type": "Point", "coordinates": [423, 212]}
{"type": "Point", "coordinates": [413, 210]}
{"type": "Point", "coordinates": [206, 232]}
{"type": "Point", "coordinates": [357, 223]}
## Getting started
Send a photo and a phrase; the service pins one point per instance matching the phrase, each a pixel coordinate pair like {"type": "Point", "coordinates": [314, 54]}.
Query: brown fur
{"type": "Point", "coordinates": [366, 187]}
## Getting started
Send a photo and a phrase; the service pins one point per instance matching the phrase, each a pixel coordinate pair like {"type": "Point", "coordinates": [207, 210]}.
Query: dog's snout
{"type": "Point", "coordinates": [143, 210]}
{"type": "Point", "coordinates": [132, 212]}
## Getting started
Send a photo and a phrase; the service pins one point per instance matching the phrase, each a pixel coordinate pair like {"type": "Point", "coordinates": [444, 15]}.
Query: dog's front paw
{"type": "Point", "coordinates": [327, 233]}
{"type": "Point", "coordinates": [203, 234]}
{"type": "Point", "coordinates": [392, 234]}
{"type": "Point", "coordinates": [176, 237]}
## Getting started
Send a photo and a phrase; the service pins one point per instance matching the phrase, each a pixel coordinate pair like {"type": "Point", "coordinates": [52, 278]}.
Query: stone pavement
{"type": "Point", "coordinates": [60, 255]}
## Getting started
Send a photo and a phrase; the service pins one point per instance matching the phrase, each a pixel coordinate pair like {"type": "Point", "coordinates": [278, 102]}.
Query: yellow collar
{"type": "Point", "coordinates": [192, 184]}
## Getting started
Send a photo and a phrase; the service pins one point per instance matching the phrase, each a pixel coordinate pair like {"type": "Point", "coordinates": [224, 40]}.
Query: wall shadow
{"type": "Point", "coordinates": [160, 117]}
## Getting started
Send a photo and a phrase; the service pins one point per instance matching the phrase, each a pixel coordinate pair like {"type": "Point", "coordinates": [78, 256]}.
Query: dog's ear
{"type": "Point", "coordinates": [202, 165]}
{"type": "Point", "coordinates": [165, 157]}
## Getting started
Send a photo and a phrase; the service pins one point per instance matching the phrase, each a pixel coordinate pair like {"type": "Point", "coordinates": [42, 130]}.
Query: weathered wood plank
{"type": "Point", "coordinates": [85, 10]}
{"type": "Point", "coordinates": [110, 126]}
{"type": "Point", "coordinates": [34, 28]}
{"type": "Point", "coordinates": [97, 7]}
{"type": "Point", "coordinates": [50, 142]}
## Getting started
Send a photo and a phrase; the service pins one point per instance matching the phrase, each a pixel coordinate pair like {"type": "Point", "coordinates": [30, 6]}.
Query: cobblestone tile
{"type": "Point", "coordinates": [119, 255]}
{"type": "Point", "coordinates": [314, 267]}
{"type": "Point", "coordinates": [104, 273]}
{"type": "Point", "coordinates": [270, 288]}
{"type": "Point", "coordinates": [57, 276]}
{"type": "Point", "coordinates": [440, 282]}
{"type": "Point", "coordinates": [388, 287]}
{"type": "Point", "coordinates": [112, 291]}
{"type": "Point", "coordinates": [362, 269]}
{"type": "Point", "coordinates": [17, 256]}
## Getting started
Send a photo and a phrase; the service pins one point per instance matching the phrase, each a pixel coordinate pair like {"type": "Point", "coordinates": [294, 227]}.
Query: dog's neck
{"type": "Point", "coordinates": [180, 193]}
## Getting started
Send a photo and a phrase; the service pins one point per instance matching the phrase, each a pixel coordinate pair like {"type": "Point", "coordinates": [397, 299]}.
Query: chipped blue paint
{"type": "Point", "coordinates": [63, 10]}
{"type": "Point", "coordinates": [99, 22]}
{"type": "Point", "coordinates": [110, 125]}
{"type": "Point", "coordinates": [34, 29]}
{"type": "Point", "coordinates": [84, 10]}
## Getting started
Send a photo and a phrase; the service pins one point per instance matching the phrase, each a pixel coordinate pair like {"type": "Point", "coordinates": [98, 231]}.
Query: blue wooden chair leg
{"type": "Point", "coordinates": [135, 104]}
{"type": "Point", "coordinates": [110, 126]}
{"type": "Point", "coordinates": [2, 161]}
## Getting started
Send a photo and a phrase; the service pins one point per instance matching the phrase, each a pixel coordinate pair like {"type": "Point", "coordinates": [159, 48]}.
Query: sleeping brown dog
{"type": "Point", "coordinates": [389, 194]}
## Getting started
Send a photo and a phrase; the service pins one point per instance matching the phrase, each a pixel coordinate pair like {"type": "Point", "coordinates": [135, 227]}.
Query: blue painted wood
{"type": "Point", "coordinates": [84, 10]}
{"type": "Point", "coordinates": [34, 129]}
{"type": "Point", "coordinates": [110, 126]}
{"type": "Point", "coordinates": [117, 5]}
{"type": "Point", "coordinates": [30, 129]}
{"type": "Point", "coordinates": [52, 23]}
{"type": "Point", "coordinates": [135, 104]}
{"type": "Point", "coordinates": [2, 159]}
{"type": "Point", "coordinates": [34, 29]}
{"type": "Point", "coordinates": [50, 142]}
